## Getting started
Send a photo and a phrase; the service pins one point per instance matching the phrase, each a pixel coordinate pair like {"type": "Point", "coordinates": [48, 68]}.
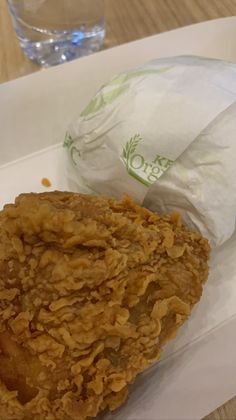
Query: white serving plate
{"type": "Point", "coordinates": [197, 372]}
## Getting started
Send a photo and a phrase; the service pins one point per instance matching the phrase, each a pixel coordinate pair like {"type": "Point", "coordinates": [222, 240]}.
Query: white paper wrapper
{"type": "Point", "coordinates": [164, 133]}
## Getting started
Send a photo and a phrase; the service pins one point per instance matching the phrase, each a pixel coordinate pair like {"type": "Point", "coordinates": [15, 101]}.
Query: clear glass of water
{"type": "Point", "coordinates": [55, 31]}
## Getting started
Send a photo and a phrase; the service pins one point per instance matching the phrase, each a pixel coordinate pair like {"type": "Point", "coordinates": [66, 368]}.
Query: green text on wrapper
{"type": "Point", "coordinates": [138, 167]}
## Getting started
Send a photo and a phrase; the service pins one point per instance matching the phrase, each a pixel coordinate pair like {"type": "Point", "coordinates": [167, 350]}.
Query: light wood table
{"type": "Point", "coordinates": [127, 20]}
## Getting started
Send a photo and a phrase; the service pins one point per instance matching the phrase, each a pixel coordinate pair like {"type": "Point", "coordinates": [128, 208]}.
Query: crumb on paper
{"type": "Point", "coordinates": [46, 182]}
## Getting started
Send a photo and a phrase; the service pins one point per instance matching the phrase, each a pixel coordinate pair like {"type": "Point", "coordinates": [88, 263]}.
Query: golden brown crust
{"type": "Point", "coordinates": [90, 289]}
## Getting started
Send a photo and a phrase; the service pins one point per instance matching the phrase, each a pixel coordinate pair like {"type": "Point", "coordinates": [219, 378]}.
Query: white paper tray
{"type": "Point", "coordinates": [197, 372]}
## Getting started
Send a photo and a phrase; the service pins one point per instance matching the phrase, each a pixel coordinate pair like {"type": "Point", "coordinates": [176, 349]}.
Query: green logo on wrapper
{"type": "Point", "coordinates": [69, 144]}
{"type": "Point", "coordinates": [142, 170]}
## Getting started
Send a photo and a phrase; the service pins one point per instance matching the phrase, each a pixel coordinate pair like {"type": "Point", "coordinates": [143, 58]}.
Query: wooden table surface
{"type": "Point", "coordinates": [127, 20]}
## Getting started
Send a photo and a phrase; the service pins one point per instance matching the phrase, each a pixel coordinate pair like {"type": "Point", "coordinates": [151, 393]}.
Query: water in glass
{"type": "Point", "coordinates": [55, 31]}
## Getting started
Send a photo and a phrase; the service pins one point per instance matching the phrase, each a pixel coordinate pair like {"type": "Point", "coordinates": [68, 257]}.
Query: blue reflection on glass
{"type": "Point", "coordinates": [77, 37]}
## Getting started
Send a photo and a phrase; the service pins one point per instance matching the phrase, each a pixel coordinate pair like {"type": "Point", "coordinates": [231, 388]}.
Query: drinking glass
{"type": "Point", "coordinates": [54, 31]}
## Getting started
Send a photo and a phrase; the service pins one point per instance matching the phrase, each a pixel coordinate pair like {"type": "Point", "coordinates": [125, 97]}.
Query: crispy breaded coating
{"type": "Point", "coordinates": [90, 290]}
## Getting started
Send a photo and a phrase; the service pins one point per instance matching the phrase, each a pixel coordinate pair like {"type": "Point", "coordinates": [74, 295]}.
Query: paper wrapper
{"type": "Point", "coordinates": [165, 134]}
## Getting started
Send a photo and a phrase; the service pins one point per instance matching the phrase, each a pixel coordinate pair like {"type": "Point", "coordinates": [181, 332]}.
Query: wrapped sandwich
{"type": "Point", "coordinates": [163, 133]}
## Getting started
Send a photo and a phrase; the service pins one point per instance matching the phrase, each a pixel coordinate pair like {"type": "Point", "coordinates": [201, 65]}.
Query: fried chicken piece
{"type": "Point", "coordinates": [90, 290]}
